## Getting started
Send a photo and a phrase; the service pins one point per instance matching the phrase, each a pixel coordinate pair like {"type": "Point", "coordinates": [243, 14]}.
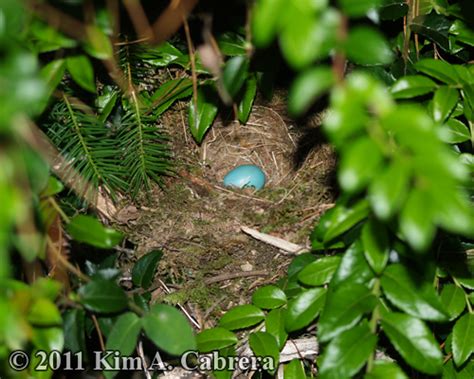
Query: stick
{"type": "Point", "coordinates": [279, 243]}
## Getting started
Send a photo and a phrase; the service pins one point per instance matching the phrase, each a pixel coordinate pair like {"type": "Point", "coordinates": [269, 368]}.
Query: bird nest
{"type": "Point", "coordinates": [263, 141]}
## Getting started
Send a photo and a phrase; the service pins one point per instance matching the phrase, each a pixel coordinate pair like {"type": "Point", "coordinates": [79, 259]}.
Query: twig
{"type": "Point", "coordinates": [235, 275]}
{"type": "Point", "coordinates": [279, 243]}
{"type": "Point", "coordinates": [141, 354]}
{"type": "Point", "coordinates": [99, 332]}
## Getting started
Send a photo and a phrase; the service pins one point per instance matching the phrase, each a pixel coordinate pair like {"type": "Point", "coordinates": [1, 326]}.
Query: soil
{"type": "Point", "coordinates": [209, 264]}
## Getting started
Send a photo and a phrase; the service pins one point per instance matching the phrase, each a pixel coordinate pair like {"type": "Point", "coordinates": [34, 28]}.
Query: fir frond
{"type": "Point", "coordinates": [146, 153]}
{"type": "Point", "coordinates": [87, 146]}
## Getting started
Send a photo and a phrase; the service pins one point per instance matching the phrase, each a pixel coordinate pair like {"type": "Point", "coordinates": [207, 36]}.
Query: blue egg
{"type": "Point", "coordinates": [245, 176]}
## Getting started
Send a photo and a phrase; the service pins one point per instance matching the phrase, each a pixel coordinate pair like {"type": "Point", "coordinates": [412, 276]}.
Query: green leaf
{"type": "Point", "coordinates": [241, 316]}
{"type": "Point", "coordinates": [414, 341]}
{"type": "Point", "coordinates": [103, 296]}
{"type": "Point", "coordinates": [81, 71]}
{"type": "Point", "coordinates": [463, 338]}
{"type": "Point", "coordinates": [98, 44]}
{"type": "Point", "coordinates": [343, 309]}
{"type": "Point", "coordinates": [308, 87]}
{"type": "Point", "coordinates": [416, 225]}
{"type": "Point", "coordinates": [202, 116]}
{"type": "Point", "coordinates": [367, 46]}
{"type": "Point", "coordinates": [294, 370]}
{"type": "Point", "coordinates": [169, 329]}
{"type": "Point", "coordinates": [53, 188]}
{"type": "Point", "coordinates": [452, 372]}
{"type": "Point", "coordinates": [265, 345]}
{"type": "Point", "coordinates": [215, 339]}
{"type": "Point", "coordinates": [234, 74]}
{"type": "Point", "coordinates": [346, 220]}
{"type": "Point", "coordinates": [388, 190]}
{"type": "Point", "coordinates": [434, 27]}
{"type": "Point", "coordinates": [319, 272]}
{"type": "Point", "coordinates": [412, 86]}
{"type": "Point", "coordinates": [275, 325]}
{"type": "Point", "coordinates": [308, 37]}
{"type": "Point", "coordinates": [144, 269]}
{"type": "Point", "coordinates": [455, 132]}
{"type": "Point", "coordinates": [232, 44]}
{"type": "Point", "coordinates": [89, 230]}
{"type": "Point", "coordinates": [359, 163]}
{"type": "Point", "coordinates": [438, 69]}
{"type": "Point", "coordinates": [304, 308]}
{"type": "Point", "coordinates": [74, 330]}
{"type": "Point", "coordinates": [463, 32]}
{"type": "Point", "coordinates": [169, 92]}
{"type": "Point", "coordinates": [269, 297]}
{"type": "Point", "coordinates": [51, 74]}
{"type": "Point", "coordinates": [346, 354]}
{"type": "Point", "coordinates": [44, 312]}
{"type": "Point", "coordinates": [353, 267]}
{"type": "Point", "coordinates": [444, 101]}
{"type": "Point", "coordinates": [376, 245]}
{"type": "Point", "coordinates": [393, 9]}
{"type": "Point", "coordinates": [385, 370]}
{"type": "Point", "coordinates": [452, 298]}
{"type": "Point", "coordinates": [123, 337]}
{"type": "Point", "coordinates": [266, 19]}
{"type": "Point", "coordinates": [410, 293]}
{"type": "Point", "coordinates": [358, 8]}
{"type": "Point", "coordinates": [245, 105]}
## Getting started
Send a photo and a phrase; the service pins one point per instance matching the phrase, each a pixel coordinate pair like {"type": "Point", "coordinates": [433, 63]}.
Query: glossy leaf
{"type": "Point", "coordinates": [234, 74]}
{"type": "Point", "coordinates": [102, 296]}
{"type": "Point", "coordinates": [359, 163]}
{"type": "Point", "coordinates": [232, 44]}
{"type": "Point", "coordinates": [412, 86]}
{"type": "Point", "coordinates": [275, 325]}
{"type": "Point", "coordinates": [376, 245]}
{"type": "Point", "coordinates": [343, 309]}
{"type": "Point", "coordinates": [215, 339]}
{"type": "Point", "coordinates": [89, 230]}
{"type": "Point", "coordinates": [294, 370]}
{"type": "Point", "coordinates": [264, 344]}
{"type": "Point", "coordinates": [269, 297]}
{"type": "Point", "coordinates": [74, 330]}
{"type": "Point", "coordinates": [444, 101]}
{"type": "Point", "coordinates": [414, 341]}
{"type": "Point", "coordinates": [123, 338]}
{"type": "Point", "coordinates": [455, 132]}
{"type": "Point", "coordinates": [304, 308]}
{"type": "Point", "coordinates": [463, 338]}
{"type": "Point", "coordinates": [202, 116]}
{"type": "Point", "coordinates": [347, 353]}
{"type": "Point", "coordinates": [437, 69]}
{"type": "Point", "coordinates": [353, 267]}
{"type": "Point", "coordinates": [169, 92]}
{"type": "Point", "coordinates": [169, 329]}
{"type": "Point", "coordinates": [144, 269]}
{"type": "Point", "coordinates": [392, 9]}
{"type": "Point", "coordinates": [308, 87]}
{"type": "Point", "coordinates": [434, 27]}
{"type": "Point", "coordinates": [452, 298]}
{"type": "Point", "coordinates": [81, 71]}
{"type": "Point", "coordinates": [319, 272]}
{"type": "Point", "coordinates": [414, 297]}
{"type": "Point", "coordinates": [245, 105]}
{"type": "Point", "coordinates": [241, 316]}
{"type": "Point", "coordinates": [346, 219]}
{"type": "Point", "coordinates": [385, 370]}
{"type": "Point", "coordinates": [367, 46]}
{"type": "Point", "coordinates": [51, 74]}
